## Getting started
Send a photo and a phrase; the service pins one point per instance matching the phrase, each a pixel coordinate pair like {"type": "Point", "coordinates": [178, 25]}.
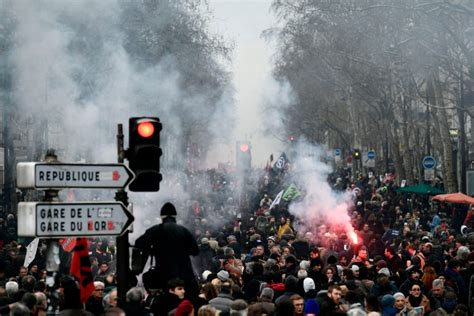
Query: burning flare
{"type": "Point", "coordinates": [354, 237]}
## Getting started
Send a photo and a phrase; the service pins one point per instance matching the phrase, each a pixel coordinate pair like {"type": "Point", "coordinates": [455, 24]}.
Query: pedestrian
{"type": "Point", "coordinates": [171, 244]}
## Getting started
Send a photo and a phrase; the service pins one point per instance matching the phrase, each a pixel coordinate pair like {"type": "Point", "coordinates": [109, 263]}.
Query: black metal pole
{"type": "Point", "coordinates": [123, 257]}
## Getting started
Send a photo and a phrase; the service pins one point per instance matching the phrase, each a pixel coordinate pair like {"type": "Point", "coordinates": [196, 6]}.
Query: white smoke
{"type": "Point", "coordinates": [321, 204]}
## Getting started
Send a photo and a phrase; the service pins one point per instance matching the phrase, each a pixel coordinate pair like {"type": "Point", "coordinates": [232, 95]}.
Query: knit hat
{"type": "Point", "coordinates": [267, 293]}
{"type": "Point", "coordinates": [205, 241]}
{"type": "Point", "coordinates": [308, 284]}
{"type": "Point", "coordinates": [291, 283]}
{"type": "Point", "coordinates": [398, 294]}
{"type": "Point", "coordinates": [223, 275]}
{"type": "Point", "coordinates": [184, 308]}
{"type": "Point", "coordinates": [381, 264]}
{"type": "Point", "coordinates": [355, 268]}
{"type": "Point", "coordinates": [388, 300]}
{"type": "Point", "coordinates": [205, 274]}
{"type": "Point", "coordinates": [168, 210]}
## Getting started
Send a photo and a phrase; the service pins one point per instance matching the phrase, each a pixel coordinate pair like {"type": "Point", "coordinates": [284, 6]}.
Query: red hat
{"type": "Point", "coordinates": [184, 308]}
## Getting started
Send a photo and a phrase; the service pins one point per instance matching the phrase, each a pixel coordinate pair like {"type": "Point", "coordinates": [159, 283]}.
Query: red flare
{"type": "Point", "coordinates": [355, 239]}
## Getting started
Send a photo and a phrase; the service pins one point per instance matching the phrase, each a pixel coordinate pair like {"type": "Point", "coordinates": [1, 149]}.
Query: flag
{"type": "Point", "coordinates": [81, 268]}
{"type": "Point", "coordinates": [291, 193]}
{"type": "Point", "coordinates": [281, 163]}
{"type": "Point", "coordinates": [277, 200]}
{"type": "Point", "coordinates": [68, 244]}
{"type": "Point", "coordinates": [268, 167]}
{"type": "Point", "coordinates": [31, 252]}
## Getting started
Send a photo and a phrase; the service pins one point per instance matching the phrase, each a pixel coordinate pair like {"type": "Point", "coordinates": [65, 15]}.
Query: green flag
{"type": "Point", "coordinates": [291, 193]}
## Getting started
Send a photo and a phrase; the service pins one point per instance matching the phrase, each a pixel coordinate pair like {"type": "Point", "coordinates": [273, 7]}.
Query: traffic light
{"type": "Point", "coordinates": [144, 153]}
{"type": "Point", "coordinates": [356, 154]}
{"type": "Point", "coordinates": [244, 157]}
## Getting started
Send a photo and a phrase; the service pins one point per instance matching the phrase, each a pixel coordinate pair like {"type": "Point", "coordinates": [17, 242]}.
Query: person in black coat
{"type": "Point", "coordinates": [331, 304]}
{"type": "Point", "coordinates": [206, 254]}
{"type": "Point", "coordinates": [171, 245]}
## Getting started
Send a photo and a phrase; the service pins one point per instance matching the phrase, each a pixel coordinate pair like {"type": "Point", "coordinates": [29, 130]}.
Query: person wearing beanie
{"type": "Point", "coordinates": [399, 302]}
{"type": "Point", "coordinates": [185, 308]}
{"type": "Point", "coordinates": [223, 275]}
{"type": "Point", "coordinates": [171, 245]}
{"type": "Point", "coordinates": [206, 255]}
{"type": "Point", "coordinates": [205, 275]}
{"type": "Point", "coordinates": [291, 287]}
{"type": "Point", "coordinates": [316, 272]}
{"type": "Point", "coordinates": [311, 306]}
{"type": "Point", "coordinates": [388, 302]}
{"type": "Point", "coordinates": [414, 277]}
{"type": "Point", "coordinates": [224, 299]}
{"type": "Point", "coordinates": [264, 305]}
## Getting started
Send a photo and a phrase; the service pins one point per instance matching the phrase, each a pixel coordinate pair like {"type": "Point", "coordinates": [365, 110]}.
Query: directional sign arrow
{"type": "Point", "coordinates": [37, 175]}
{"type": "Point", "coordinates": [54, 219]}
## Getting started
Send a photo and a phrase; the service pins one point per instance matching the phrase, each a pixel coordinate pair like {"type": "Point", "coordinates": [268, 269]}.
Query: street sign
{"type": "Point", "coordinates": [368, 159]}
{"type": "Point", "coordinates": [429, 174]}
{"type": "Point", "coordinates": [337, 152]}
{"type": "Point", "coordinates": [39, 175]}
{"type": "Point", "coordinates": [54, 219]}
{"type": "Point", "coordinates": [429, 162]}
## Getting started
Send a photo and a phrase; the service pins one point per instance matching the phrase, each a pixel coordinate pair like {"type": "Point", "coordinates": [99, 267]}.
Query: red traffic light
{"type": "Point", "coordinates": [244, 147]}
{"type": "Point", "coordinates": [145, 129]}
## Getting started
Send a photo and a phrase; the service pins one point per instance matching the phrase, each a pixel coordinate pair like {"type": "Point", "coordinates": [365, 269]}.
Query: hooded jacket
{"type": "Point", "coordinates": [171, 244]}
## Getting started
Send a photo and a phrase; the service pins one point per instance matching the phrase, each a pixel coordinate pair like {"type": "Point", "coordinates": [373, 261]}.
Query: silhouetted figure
{"type": "Point", "coordinates": [171, 245]}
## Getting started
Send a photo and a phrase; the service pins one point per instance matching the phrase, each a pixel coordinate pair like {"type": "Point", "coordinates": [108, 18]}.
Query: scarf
{"type": "Point", "coordinates": [415, 301]}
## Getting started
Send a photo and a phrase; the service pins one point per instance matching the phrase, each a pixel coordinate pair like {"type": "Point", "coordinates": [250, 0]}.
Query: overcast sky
{"type": "Point", "coordinates": [243, 22]}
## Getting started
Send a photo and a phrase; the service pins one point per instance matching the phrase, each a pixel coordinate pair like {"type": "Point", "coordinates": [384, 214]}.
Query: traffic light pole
{"type": "Point", "coordinates": [123, 256]}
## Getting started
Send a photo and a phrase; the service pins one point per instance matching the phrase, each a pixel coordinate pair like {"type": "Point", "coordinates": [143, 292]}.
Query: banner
{"type": "Point", "coordinates": [291, 193]}
{"type": "Point", "coordinates": [68, 244]}
{"type": "Point", "coordinates": [81, 268]}
{"type": "Point", "coordinates": [31, 252]}
{"type": "Point", "coordinates": [281, 163]}
{"type": "Point", "coordinates": [277, 200]}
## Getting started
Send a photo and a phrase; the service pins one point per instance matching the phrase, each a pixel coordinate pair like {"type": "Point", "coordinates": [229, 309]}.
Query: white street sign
{"type": "Point", "coordinates": [37, 175]}
{"type": "Point", "coordinates": [429, 174]}
{"type": "Point", "coordinates": [54, 219]}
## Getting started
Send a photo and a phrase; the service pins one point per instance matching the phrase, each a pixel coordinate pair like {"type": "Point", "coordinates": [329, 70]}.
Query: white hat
{"type": "Point", "coordinates": [355, 268]}
{"type": "Point", "coordinates": [205, 274]}
{"type": "Point", "coordinates": [308, 284]}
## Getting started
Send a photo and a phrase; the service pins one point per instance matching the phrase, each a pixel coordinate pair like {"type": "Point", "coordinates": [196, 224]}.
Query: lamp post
{"type": "Point", "coordinates": [454, 135]}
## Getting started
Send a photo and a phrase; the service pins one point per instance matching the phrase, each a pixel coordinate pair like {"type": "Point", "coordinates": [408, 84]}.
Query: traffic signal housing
{"type": "Point", "coordinates": [244, 156]}
{"type": "Point", "coordinates": [357, 154]}
{"type": "Point", "coordinates": [144, 153]}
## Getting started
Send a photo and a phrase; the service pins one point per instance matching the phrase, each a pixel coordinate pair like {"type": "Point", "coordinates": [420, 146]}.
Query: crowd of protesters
{"type": "Point", "coordinates": [412, 256]}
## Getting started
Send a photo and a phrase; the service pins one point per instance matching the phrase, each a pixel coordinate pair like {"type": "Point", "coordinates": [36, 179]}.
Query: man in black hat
{"type": "Point", "coordinates": [171, 245]}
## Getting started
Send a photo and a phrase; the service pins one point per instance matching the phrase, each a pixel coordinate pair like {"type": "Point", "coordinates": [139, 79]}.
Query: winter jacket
{"type": "Point", "coordinates": [222, 302]}
{"type": "Point", "coordinates": [171, 244]}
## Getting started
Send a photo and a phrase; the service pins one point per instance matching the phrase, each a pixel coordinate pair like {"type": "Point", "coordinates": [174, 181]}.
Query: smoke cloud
{"type": "Point", "coordinates": [75, 80]}
{"type": "Point", "coordinates": [321, 204]}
